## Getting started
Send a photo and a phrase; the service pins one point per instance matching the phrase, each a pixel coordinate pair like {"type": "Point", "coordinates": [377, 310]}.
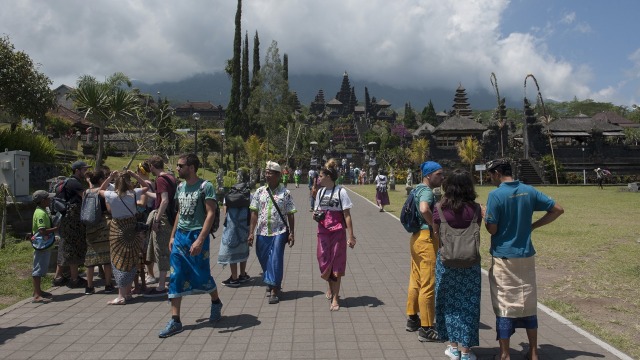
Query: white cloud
{"type": "Point", "coordinates": [403, 43]}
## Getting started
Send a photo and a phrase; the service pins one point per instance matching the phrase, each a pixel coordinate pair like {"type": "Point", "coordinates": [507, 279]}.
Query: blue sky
{"type": "Point", "coordinates": [584, 49]}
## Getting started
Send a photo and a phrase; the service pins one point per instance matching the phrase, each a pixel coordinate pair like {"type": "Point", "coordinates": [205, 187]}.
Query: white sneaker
{"type": "Point", "coordinates": [468, 356]}
{"type": "Point", "coordinates": [150, 280]}
{"type": "Point", "coordinates": [452, 354]}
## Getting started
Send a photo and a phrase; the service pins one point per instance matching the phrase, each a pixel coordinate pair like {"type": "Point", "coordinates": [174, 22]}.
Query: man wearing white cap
{"type": "Point", "coordinates": [272, 224]}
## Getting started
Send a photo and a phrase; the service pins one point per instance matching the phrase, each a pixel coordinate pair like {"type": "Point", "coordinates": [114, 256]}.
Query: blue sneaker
{"type": "Point", "coordinates": [173, 327]}
{"type": "Point", "coordinates": [216, 312]}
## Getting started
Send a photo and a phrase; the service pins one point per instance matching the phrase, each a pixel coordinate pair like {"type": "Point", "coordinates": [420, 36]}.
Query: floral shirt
{"type": "Point", "coordinates": [269, 222]}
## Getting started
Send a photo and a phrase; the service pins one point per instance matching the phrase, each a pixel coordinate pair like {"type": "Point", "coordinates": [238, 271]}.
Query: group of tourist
{"type": "Point", "coordinates": [443, 302]}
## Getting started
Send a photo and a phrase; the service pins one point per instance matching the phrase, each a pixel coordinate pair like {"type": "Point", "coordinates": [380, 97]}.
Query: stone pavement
{"type": "Point", "coordinates": [369, 325]}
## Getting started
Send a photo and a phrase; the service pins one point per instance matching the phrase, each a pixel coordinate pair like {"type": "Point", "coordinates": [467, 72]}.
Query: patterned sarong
{"type": "Point", "coordinates": [125, 244]}
{"type": "Point", "coordinates": [189, 274]}
{"type": "Point", "coordinates": [72, 230]}
{"type": "Point", "coordinates": [98, 248]}
{"type": "Point", "coordinates": [270, 253]}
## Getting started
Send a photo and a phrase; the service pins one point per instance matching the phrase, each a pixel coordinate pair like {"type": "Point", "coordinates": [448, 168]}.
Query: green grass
{"type": "Point", "coordinates": [16, 263]}
{"type": "Point", "coordinates": [587, 260]}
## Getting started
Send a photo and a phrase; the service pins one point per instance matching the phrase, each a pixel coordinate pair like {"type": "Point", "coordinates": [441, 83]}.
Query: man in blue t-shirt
{"type": "Point", "coordinates": [508, 218]}
{"type": "Point", "coordinates": [190, 243]}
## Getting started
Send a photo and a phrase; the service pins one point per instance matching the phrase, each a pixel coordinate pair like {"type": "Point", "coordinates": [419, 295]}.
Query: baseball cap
{"type": "Point", "coordinates": [79, 165]}
{"type": "Point", "coordinates": [40, 195]}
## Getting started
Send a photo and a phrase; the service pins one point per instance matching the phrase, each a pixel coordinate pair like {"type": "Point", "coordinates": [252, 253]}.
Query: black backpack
{"type": "Point", "coordinates": [239, 196]}
{"type": "Point", "coordinates": [410, 216]}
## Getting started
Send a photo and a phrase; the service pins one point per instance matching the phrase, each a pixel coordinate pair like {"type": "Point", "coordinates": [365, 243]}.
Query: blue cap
{"type": "Point", "coordinates": [428, 167]}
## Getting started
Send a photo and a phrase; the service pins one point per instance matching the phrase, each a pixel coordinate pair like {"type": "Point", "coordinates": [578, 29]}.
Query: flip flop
{"type": "Point", "coordinates": [334, 307]}
{"type": "Point", "coordinates": [41, 300]}
{"type": "Point", "coordinates": [117, 301]}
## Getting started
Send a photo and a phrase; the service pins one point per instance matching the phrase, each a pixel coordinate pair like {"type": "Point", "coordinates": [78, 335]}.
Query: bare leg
{"type": "Point", "coordinates": [37, 291]}
{"type": "Point", "coordinates": [335, 291]}
{"type": "Point", "coordinates": [90, 274]}
{"type": "Point", "coordinates": [504, 349]}
{"type": "Point", "coordinates": [175, 306]}
{"type": "Point", "coordinates": [73, 270]}
{"type": "Point", "coordinates": [234, 271]}
{"type": "Point", "coordinates": [107, 274]}
{"type": "Point", "coordinates": [243, 268]}
{"type": "Point", "coordinates": [532, 334]}
{"type": "Point", "coordinates": [162, 280]}
{"type": "Point", "coordinates": [214, 297]}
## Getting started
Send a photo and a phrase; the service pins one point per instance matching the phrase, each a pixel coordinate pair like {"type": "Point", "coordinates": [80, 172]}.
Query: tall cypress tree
{"type": "Point", "coordinates": [245, 90]}
{"type": "Point", "coordinates": [233, 118]}
{"type": "Point", "coordinates": [254, 126]}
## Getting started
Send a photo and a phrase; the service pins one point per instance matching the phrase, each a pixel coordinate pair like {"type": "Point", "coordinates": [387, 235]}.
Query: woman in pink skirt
{"type": "Point", "coordinates": [332, 212]}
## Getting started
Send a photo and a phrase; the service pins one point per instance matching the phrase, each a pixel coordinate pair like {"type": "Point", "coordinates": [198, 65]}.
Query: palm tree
{"type": "Point", "coordinates": [103, 102]}
{"type": "Point", "coordinates": [469, 150]}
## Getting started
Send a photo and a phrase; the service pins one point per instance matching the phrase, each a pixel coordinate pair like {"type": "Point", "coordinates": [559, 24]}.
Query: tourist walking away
{"type": "Point", "coordinates": [333, 215]}
{"type": "Point", "coordinates": [382, 196]}
{"type": "Point", "coordinates": [97, 234]}
{"type": "Point", "coordinates": [297, 174]}
{"type": "Point", "coordinates": [458, 276]}
{"type": "Point", "coordinates": [234, 248]}
{"type": "Point", "coordinates": [512, 275]}
{"type": "Point", "coordinates": [124, 243]}
{"type": "Point", "coordinates": [164, 216]}
{"type": "Point", "coordinates": [600, 175]}
{"type": "Point", "coordinates": [423, 247]}
{"type": "Point", "coordinates": [42, 239]}
{"type": "Point", "coordinates": [73, 247]}
{"type": "Point", "coordinates": [190, 243]}
{"type": "Point", "coordinates": [313, 187]}
{"type": "Point", "coordinates": [272, 225]}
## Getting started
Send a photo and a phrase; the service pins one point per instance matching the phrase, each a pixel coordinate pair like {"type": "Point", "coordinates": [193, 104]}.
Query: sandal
{"type": "Point", "coordinates": [335, 307]}
{"type": "Point", "coordinates": [41, 300]}
{"type": "Point", "coordinates": [117, 301]}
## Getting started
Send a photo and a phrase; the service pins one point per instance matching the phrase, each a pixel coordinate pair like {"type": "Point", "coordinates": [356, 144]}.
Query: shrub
{"type": "Point", "coordinates": [41, 149]}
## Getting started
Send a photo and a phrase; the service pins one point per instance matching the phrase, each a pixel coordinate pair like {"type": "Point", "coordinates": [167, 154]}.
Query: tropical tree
{"type": "Point", "coordinates": [419, 151]}
{"type": "Point", "coordinates": [469, 151]}
{"type": "Point", "coordinates": [24, 91]}
{"type": "Point", "coordinates": [103, 102]}
{"type": "Point", "coordinates": [428, 114]}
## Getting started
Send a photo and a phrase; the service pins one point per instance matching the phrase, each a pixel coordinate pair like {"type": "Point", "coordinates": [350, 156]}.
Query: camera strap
{"type": "Point", "coordinates": [286, 224]}
{"type": "Point", "coordinates": [324, 189]}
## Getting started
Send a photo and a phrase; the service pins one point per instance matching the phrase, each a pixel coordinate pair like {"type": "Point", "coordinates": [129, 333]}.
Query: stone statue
{"type": "Point", "coordinates": [409, 178]}
{"type": "Point", "coordinates": [239, 176]}
{"type": "Point", "coordinates": [220, 178]}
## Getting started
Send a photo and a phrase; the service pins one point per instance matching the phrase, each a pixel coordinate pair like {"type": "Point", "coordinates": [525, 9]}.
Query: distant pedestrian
{"type": "Point", "coordinates": [234, 248]}
{"type": "Point", "coordinates": [423, 246]}
{"type": "Point", "coordinates": [313, 188]}
{"type": "Point", "coordinates": [333, 214]}
{"type": "Point", "coordinates": [272, 225]}
{"type": "Point", "coordinates": [297, 174]}
{"type": "Point", "coordinates": [190, 244]}
{"type": "Point", "coordinates": [382, 196]}
{"type": "Point", "coordinates": [512, 275]}
{"type": "Point", "coordinates": [600, 175]}
{"type": "Point", "coordinates": [43, 237]}
{"type": "Point", "coordinates": [457, 315]}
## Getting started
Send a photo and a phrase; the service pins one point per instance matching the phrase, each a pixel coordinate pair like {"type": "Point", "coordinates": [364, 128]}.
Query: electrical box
{"type": "Point", "coordinates": [14, 171]}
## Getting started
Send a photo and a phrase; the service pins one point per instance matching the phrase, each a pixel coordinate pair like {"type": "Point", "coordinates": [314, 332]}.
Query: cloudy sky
{"type": "Point", "coordinates": [575, 48]}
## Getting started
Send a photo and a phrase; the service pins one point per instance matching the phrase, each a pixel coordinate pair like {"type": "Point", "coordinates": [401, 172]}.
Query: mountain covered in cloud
{"type": "Point", "coordinates": [216, 87]}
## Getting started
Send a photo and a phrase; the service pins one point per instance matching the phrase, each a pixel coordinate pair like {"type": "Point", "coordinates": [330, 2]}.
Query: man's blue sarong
{"type": "Point", "coordinates": [189, 274]}
{"type": "Point", "coordinates": [270, 253]}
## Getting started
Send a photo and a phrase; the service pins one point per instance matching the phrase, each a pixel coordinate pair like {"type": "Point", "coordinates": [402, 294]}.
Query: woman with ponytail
{"type": "Point", "coordinates": [332, 212]}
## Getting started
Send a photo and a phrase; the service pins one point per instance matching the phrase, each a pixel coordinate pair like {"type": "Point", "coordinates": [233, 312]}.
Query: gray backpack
{"type": "Point", "coordinates": [459, 248]}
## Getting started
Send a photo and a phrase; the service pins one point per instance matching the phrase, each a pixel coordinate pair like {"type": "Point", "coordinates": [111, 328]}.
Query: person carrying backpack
{"type": "Point", "coordinates": [458, 288]}
{"type": "Point", "coordinates": [161, 227]}
{"type": "Point", "coordinates": [234, 248]}
{"type": "Point", "coordinates": [382, 196]}
{"type": "Point", "coordinates": [422, 282]}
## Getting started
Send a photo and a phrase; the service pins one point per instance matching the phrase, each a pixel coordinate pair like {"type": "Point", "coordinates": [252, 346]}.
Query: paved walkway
{"type": "Point", "coordinates": [369, 325]}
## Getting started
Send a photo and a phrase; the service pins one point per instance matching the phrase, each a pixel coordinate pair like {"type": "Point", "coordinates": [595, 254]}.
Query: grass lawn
{"type": "Point", "coordinates": [16, 263]}
{"type": "Point", "coordinates": [587, 260]}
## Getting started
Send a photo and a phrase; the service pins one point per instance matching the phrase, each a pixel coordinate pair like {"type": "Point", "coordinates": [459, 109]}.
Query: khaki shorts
{"type": "Point", "coordinates": [158, 249]}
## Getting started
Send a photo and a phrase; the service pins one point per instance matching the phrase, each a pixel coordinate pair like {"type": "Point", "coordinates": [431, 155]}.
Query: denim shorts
{"type": "Point", "coordinates": [41, 260]}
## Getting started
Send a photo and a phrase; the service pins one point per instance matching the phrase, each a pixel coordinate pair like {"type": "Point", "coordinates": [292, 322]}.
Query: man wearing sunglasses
{"type": "Point", "coordinates": [189, 243]}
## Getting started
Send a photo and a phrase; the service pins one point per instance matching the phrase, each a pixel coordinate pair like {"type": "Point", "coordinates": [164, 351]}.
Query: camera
{"type": "Point", "coordinates": [319, 215]}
